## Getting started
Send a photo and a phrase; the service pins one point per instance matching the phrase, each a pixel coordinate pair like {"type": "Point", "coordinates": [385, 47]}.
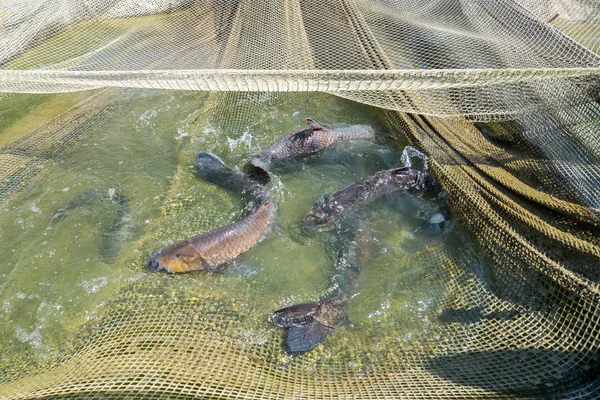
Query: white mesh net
{"type": "Point", "coordinates": [474, 58]}
{"type": "Point", "coordinates": [503, 97]}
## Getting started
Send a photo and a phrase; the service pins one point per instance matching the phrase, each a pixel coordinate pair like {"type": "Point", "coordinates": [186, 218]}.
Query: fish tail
{"type": "Point", "coordinates": [309, 324]}
{"type": "Point", "coordinates": [432, 186]}
{"type": "Point", "coordinates": [364, 132]}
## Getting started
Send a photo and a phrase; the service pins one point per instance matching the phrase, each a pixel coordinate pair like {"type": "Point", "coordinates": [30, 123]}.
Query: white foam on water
{"type": "Point", "coordinates": [34, 338]}
{"type": "Point", "coordinates": [147, 115]}
{"type": "Point", "coordinates": [93, 285]}
{"type": "Point", "coordinates": [33, 207]}
{"type": "Point", "coordinates": [245, 140]}
{"type": "Point", "coordinates": [208, 128]}
{"type": "Point", "coordinates": [181, 133]}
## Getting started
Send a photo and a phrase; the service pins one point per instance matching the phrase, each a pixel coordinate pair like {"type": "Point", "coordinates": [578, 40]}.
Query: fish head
{"type": "Point", "coordinates": [319, 216]}
{"type": "Point", "coordinates": [258, 168]}
{"type": "Point", "coordinates": [414, 179]}
{"type": "Point", "coordinates": [176, 259]}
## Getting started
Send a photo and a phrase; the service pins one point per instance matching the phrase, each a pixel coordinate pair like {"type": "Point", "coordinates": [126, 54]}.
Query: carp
{"type": "Point", "coordinates": [302, 144]}
{"type": "Point", "coordinates": [104, 202]}
{"type": "Point", "coordinates": [381, 183]}
{"type": "Point", "coordinates": [215, 250]}
{"type": "Point", "coordinates": [309, 324]}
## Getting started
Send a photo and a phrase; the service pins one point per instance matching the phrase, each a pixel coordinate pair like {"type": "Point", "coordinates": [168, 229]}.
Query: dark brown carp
{"type": "Point", "coordinates": [304, 143]}
{"type": "Point", "coordinates": [374, 186]}
{"type": "Point", "coordinates": [309, 324]}
{"type": "Point", "coordinates": [214, 250]}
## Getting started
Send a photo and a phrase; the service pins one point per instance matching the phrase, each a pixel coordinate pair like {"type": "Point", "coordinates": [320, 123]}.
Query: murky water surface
{"type": "Point", "coordinates": [87, 223]}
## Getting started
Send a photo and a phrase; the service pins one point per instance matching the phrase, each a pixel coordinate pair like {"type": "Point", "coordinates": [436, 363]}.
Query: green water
{"type": "Point", "coordinates": [56, 279]}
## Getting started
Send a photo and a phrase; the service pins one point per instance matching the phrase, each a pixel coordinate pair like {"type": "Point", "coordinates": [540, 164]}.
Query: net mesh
{"type": "Point", "coordinates": [503, 97]}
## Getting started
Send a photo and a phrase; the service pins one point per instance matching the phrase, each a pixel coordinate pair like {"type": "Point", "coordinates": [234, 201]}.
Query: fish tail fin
{"type": "Point", "coordinates": [309, 324]}
{"type": "Point", "coordinates": [378, 133]}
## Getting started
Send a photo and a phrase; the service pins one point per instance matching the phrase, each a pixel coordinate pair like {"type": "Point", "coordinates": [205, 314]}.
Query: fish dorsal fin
{"type": "Point", "coordinates": [314, 124]}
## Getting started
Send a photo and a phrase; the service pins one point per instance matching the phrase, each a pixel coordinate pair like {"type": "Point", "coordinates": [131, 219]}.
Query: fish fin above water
{"type": "Point", "coordinates": [302, 136]}
{"type": "Point", "coordinates": [296, 315]}
{"type": "Point", "coordinates": [314, 124]}
{"type": "Point", "coordinates": [304, 338]}
{"type": "Point", "coordinates": [205, 160]}
{"type": "Point", "coordinates": [310, 323]}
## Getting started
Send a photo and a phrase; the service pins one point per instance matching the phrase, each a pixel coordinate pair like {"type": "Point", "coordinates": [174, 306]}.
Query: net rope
{"type": "Point", "coordinates": [502, 96]}
{"type": "Point", "coordinates": [493, 59]}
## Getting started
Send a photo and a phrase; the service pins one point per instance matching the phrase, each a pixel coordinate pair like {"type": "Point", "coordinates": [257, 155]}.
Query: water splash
{"type": "Point", "coordinates": [245, 140]}
{"type": "Point", "coordinates": [413, 158]}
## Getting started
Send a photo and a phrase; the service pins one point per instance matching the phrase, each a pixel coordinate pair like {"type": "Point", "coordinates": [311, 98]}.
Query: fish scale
{"type": "Point", "coordinates": [304, 143]}
{"type": "Point", "coordinates": [376, 185]}
{"type": "Point", "coordinates": [214, 250]}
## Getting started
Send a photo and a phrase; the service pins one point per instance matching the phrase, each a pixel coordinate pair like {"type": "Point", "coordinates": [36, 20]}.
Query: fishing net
{"type": "Point", "coordinates": [503, 98]}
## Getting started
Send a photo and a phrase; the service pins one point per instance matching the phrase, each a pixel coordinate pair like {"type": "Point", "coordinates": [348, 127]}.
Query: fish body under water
{"type": "Point", "coordinates": [214, 250]}
{"type": "Point", "coordinates": [309, 324]}
{"type": "Point", "coordinates": [120, 229]}
{"type": "Point", "coordinates": [303, 143]}
{"type": "Point", "coordinates": [212, 169]}
{"type": "Point", "coordinates": [374, 186]}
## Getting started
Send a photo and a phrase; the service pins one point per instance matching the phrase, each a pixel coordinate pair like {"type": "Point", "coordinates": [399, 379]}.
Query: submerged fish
{"type": "Point", "coordinates": [214, 250]}
{"type": "Point", "coordinates": [120, 229]}
{"type": "Point", "coordinates": [303, 143]}
{"type": "Point", "coordinates": [309, 324]}
{"type": "Point", "coordinates": [376, 185]}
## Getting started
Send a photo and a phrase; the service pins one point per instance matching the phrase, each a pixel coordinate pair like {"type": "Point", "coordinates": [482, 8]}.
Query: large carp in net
{"type": "Point", "coordinates": [502, 97]}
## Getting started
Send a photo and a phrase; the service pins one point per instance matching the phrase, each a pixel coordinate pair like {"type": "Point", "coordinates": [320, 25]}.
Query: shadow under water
{"type": "Point", "coordinates": [523, 372]}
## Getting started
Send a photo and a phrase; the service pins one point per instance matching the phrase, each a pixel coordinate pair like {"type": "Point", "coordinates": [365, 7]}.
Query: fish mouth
{"type": "Point", "coordinates": [155, 265]}
{"type": "Point", "coordinates": [313, 225]}
{"type": "Point", "coordinates": [258, 170]}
